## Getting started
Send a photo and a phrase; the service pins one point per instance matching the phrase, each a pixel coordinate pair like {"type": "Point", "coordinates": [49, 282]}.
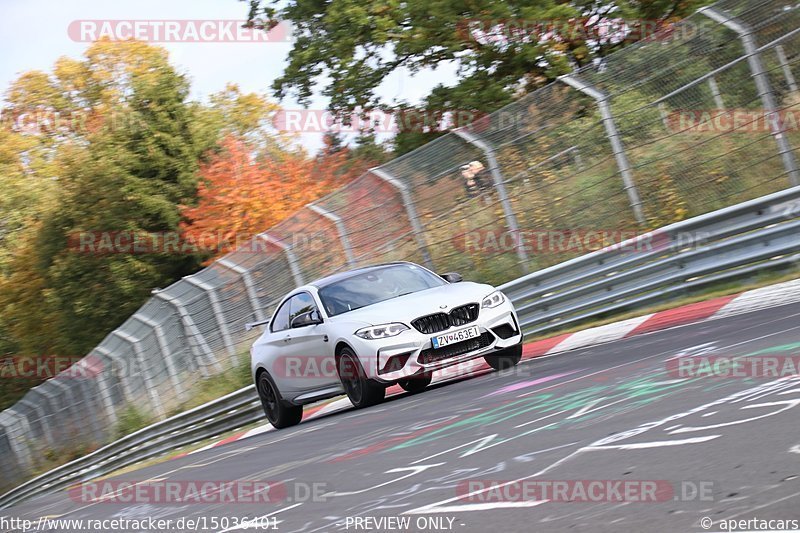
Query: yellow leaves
{"type": "Point", "coordinates": [244, 115]}
{"type": "Point", "coordinates": [111, 65]}
{"type": "Point", "coordinates": [12, 145]}
{"type": "Point", "coordinates": [71, 74]}
{"type": "Point", "coordinates": [720, 178]}
{"type": "Point", "coordinates": [241, 195]}
{"type": "Point", "coordinates": [31, 91]}
{"type": "Point", "coordinates": [581, 53]}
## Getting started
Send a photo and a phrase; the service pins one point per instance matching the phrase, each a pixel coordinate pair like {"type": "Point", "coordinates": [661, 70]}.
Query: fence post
{"type": "Point", "coordinates": [340, 228]}
{"type": "Point", "coordinates": [47, 392]}
{"type": "Point", "coordinates": [82, 386]}
{"type": "Point", "coordinates": [194, 333]}
{"type": "Point", "coordinates": [662, 110]}
{"type": "Point", "coordinates": [247, 279]}
{"type": "Point", "coordinates": [165, 353]}
{"type": "Point", "coordinates": [762, 85]}
{"type": "Point", "coordinates": [576, 156]}
{"type": "Point", "coordinates": [146, 375]}
{"type": "Point", "coordinates": [105, 393]}
{"type": "Point", "coordinates": [12, 468]}
{"type": "Point", "coordinates": [290, 257]}
{"type": "Point", "coordinates": [69, 392]}
{"type": "Point", "coordinates": [712, 84]}
{"type": "Point", "coordinates": [616, 142]}
{"type": "Point", "coordinates": [127, 393]}
{"type": "Point", "coordinates": [411, 212]}
{"type": "Point", "coordinates": [216, 308]}
{"type": "Point", "coordinates": [787, 72]}
{"type": "Point", "coordinates": [500, 187]}
{"type": "Point", "coordinates": [20, 444]}
{"type": "Point", "coordinates": [39, 409]}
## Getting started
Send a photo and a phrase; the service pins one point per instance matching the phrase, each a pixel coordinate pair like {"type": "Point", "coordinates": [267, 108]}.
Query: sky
{"type": "Point", "coordinates": [33, 34]}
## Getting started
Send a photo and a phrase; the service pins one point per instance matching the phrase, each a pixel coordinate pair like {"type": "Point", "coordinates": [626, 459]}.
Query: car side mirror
{"type": "Point", "coordinates": [309, 318]}
{"type": "Point", "coordinates": [452, 277]}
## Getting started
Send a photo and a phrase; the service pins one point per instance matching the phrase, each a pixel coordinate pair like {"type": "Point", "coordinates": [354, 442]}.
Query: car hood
{"type": "Point", "coordinates": [410, 306]}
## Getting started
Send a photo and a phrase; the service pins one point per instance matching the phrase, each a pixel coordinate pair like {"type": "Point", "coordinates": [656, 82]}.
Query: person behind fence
{"type": "Point", "coordinates": [475, 178]}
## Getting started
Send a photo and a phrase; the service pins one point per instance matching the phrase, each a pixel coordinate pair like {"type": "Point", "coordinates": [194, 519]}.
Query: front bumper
{"type": "Point", "coordinates": [417, 354]}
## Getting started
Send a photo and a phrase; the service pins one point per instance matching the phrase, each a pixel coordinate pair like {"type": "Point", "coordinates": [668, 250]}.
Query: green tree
{"type": "Point", "coordinates": [349, 47]}
{"type": "Point", "coordinates": [230, 112]}
{"type": "Point", "coordinates": [125, 158]}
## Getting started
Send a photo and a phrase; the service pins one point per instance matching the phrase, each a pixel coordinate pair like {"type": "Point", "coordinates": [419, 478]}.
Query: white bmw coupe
{"type": "Point", "coordinates": [359, 331]}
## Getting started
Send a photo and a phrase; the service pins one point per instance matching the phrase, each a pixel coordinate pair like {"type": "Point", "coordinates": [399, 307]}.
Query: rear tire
{"type": "Point", "coordinates": [361, 391]}
{"type": "Point", "coordinates": [506, 358]}
{"type": "Point", "coordinates": [416, 383]}
{"type": "Point", "coordinates": [281, 414]}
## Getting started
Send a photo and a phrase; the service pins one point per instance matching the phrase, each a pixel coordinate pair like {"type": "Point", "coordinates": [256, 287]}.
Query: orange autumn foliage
{"type": "Point", "coordinates": [240, 195]}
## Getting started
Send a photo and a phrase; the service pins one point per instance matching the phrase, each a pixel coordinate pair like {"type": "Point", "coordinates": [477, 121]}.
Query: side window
{"type": "Point", "coordinates": [301, 303]}
{"type": "Point", "coordinates": [281, 320]}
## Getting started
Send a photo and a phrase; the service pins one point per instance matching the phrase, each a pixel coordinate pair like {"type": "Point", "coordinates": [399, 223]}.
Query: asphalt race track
{"type": "Point", "coordinates": [446, 459]}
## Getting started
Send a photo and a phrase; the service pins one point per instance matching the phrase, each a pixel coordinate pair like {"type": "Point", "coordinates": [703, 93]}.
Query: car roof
{"type": "Point", "coordinates": [333, 278]}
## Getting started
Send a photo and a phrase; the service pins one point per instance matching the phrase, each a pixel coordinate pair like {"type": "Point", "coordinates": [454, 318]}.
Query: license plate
{"type": "Point", "coordinates": [455, 336]}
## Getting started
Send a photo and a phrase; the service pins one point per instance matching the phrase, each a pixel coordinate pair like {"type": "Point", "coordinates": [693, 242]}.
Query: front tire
{"type": "Point", "coordinates": [281, 414]}
{"type": "Point", "coordinates": [361, 391]}
{"type": "Point", "coordinates": [506, 358]}
{"type": "Point", "coordinates": [416, 383]}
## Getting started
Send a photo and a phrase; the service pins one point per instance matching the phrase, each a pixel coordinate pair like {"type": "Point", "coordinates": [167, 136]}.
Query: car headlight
{"type": "Point", "coordinates": [382, 331]}
{"type": "Point", "coordinates": [494, 299]}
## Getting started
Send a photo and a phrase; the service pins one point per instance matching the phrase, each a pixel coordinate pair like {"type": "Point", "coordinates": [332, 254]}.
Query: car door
{"type": "Point", "coordinates": [308, 362]}
{"type": "Point", "coordinates": [279, 335]}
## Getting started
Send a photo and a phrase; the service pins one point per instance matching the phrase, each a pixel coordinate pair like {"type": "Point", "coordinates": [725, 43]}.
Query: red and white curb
{"type": "Point", "coordinates": [771, 296]}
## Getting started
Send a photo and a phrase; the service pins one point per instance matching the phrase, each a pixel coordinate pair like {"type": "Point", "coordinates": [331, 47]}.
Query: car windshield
{"type": "Point", "coordinates": [376, 286]}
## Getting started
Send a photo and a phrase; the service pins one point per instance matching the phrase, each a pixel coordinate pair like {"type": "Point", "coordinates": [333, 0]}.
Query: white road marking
{"type": "Point", "coordinates": [414, 470]}
{"type": "Point", "coordinates": [435, 507]}
{"type": "Point", "coordinates": [478, 507]}
{"type": "Point", "coordinates": [585, 408]}
{"type": "Point", "coordinates": [773, 502]}
{"type": "Point", "coordinates": [599, 334]}
{"type": "Point", "coordinates": [788, 403]}
{"type": "Point", "coordinates": [482, 440]}
{"type": "Point", "coordinates": [528, 423]}
{"type": "Point", "coordinates": [654, 444]}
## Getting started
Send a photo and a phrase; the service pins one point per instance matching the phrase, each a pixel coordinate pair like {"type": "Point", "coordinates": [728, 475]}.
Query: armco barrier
{"type": "Point", "coordinates": [734, 241]}
{"type": "Point", "coordinates": [716, 246]}
{"type": "Point", "coordinates": [213, 418]}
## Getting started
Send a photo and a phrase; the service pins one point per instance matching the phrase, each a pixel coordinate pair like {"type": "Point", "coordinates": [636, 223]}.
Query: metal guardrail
{"type": "Point", "coordinates": [730, 242]}
{"type": "Point", "coordinates": [709, 248]}
{"type": "Point", "coordinates": [230, 412]}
